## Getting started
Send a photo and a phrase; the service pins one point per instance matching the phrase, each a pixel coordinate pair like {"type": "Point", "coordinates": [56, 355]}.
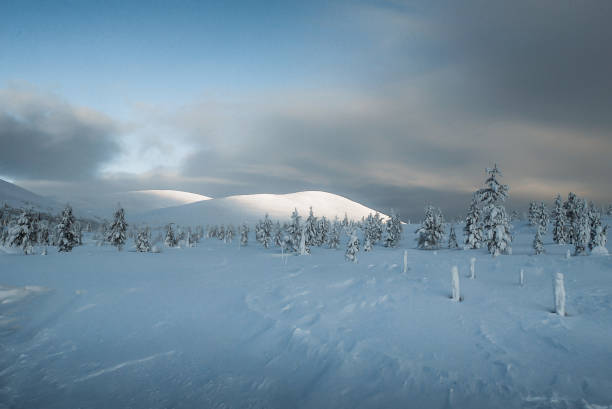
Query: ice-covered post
{"type": "Point", "coordinates": [405, 261]}
{"type": "Point", "coordinates": [456, 295]}
{"type": "Point", "coordinates": [559, 292]}
{"type": "Point", "coordinates": [521, 278]}
{"type": "Point", "coordinates": [568, 254]}
{"type": "Point", "coordinates": [473, 268]}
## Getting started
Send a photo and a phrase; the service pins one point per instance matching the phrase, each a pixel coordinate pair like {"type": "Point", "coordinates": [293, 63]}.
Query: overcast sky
{"type": "Point", "coordinates": [393, 104]}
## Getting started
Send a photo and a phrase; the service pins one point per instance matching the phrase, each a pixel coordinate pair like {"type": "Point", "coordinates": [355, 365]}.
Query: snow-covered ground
{"type": "Point", "coordinates": [226, 327]}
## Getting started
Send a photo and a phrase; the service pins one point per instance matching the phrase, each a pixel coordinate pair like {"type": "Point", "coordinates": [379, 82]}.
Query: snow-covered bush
{"type": "Point", "coordinates": [143, 240]}
{"type": "Point", "coordinates": [393, 230]}
{"type": "Point", "coordinates": [25, 233]}
{"type": "Point", "coordinates": [352, 247]}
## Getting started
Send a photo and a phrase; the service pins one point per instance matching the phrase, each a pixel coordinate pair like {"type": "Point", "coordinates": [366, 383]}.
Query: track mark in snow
{"type": "Point", "coordinates": [123, 365]}
{"type": "Point", "coordinates": [85, 307]}
{"type": "Point", "coordinates": [343, 284]}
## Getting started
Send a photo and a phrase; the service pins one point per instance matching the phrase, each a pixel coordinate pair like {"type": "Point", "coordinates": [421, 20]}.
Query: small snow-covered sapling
{"type": "Point", "coordinates": [559, 294]}
{"type": "Point", "coordinates": [473, 268]}
{"type": "Point", "coordinates": [456, 293]}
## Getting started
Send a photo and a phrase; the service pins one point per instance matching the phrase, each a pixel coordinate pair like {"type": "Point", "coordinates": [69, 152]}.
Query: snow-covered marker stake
{"type": "Point", "coordinates": [473, 268]}
{"type": "Point", "coordinates": [568, 254]}
{"type": "Point", "coordinates": [521, 278]}
{"type": "Point", "coordinates": [559, 293]}
{"type": "Point", "coordinates": [405, 261]}
{"type": "Point", "coordinates": [456, 294]}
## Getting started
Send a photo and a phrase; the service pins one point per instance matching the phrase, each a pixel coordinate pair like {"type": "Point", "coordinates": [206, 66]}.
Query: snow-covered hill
{"type": "Point", "coordinates": [146, 200]}
{"type": "Point", "coordinates": [250, 208]}
{"type": "Point", "coordinates": [16, 196]}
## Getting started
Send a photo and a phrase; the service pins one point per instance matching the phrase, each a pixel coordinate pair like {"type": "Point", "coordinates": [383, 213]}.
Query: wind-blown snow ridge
{"type": "Point", "coordinates": [250, 208]}
{"type": "Point", "coordinates": [121, 365]}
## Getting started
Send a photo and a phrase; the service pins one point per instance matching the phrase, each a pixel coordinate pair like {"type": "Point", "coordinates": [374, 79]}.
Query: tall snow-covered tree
{"type": "Point", "coordinates": [431, 231]}
{"type": "Point", "coordinates": [266, 231]}
{"type": "Point", "coordinates": [229, 234]}
{"type": "Point", "coordinates": [582, 229]}
{"type": "Point", "coordinates": [244, 234]}
{"type": "Point", "coordinates": [294, 230]}
{"type": "Point", "coordinates": [533, 214]}
{"type": "Point", "coordinates": [117, 234]}
{"type": "Point", "coordinates": [542, 217]}
{"type": "Point", "coordinates": [560, 229]}
{"type": "Point", "coordinates": [65, 231]}
{"type": "Point", "coordinates": [24, 233]}
{"type": "Point", "coordinates": [352, 248]}
{"type": "Point", "coordinates": [572, 211]}
{"type": "Point", "coordinates": [333, 240]}
{"type": "Point", "coordinates": [495, 222]}
{"type": "Point", "coordinates": [311, 225]}
{"type": "Point", "coordinates": [393, 230]}
{"type": "Point", "coordinates": [452, 238]}
{"type": "Point", "coordinates": [322, 231]}
{"type": "Point", "coordinates": [170, 240]}
{"type": "Point", "coordinates": [278, 234]}
{"type": "Point", "coordinates": [473, 229]}
{"type": "Point", "coordinates": [143, 240]}
{"type": "Point", "coordinates": [595, 224]}
{"type": "Point", "coordinates": [304, 249]}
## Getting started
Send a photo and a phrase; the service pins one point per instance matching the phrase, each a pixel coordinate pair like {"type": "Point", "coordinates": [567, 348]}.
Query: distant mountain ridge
{"type": "Point", "coordinates": [16, 196]}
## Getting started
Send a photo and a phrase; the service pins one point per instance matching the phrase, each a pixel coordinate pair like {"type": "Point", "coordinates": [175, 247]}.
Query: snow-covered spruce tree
{"type": "Point", "coordinates": [65, 231]}
{"type": "Point", "coordinates": [143, 240]}
{"type": "Point", "coordinates": [473, 230]}
{"type": "Point", "coordinates": [582, 229]}
{"type": "Point", "coordinates": [278, 234]}
{"type": "Point", "coordinates": [533, 213]}
{"type": "Point", "coordinates": [595, 223]}
{"type": "Point", "coordinates": [431, 232]}
{"type": "Point", "coordinates": [229, 234]}
{"type": "Point", "coordinates": [117, 234]}
{"type": "Point", "coordinates": [538, 245]}
{"type": "Point", "coordinates": [78, 233]}
{"type": "Point", "coordinates": [43, 233]}
{"type": "Point", "coordinates": [367, 243]}
{"type": "Point", "coordinates": [170, 240]}
{"type": "Point", "coordinates": [244, 235]}
{"type": "Point", "coordinates": [542, 217]}
{"type": "Point", "coordinates": [600, 239]}
{"type": "Point", "coordinates": [573, 215]}
{"type": "Point", "coordinates": [266, 231]}
{"type": "Point", "coordinates": [294, 231]}
{"type": "Point", "coordinates": [452, 238]}
{"type": "Point", "coordinates": [495, 222]}
{"type": "Point", "coordinates": [560, 229]}
{"type": "Point", "coordinates": [24, 233]}
{"type": "Point", "coordinates": [393, 233]}
{"type": "Point", "coordinates": [304, 249]}
{"type": "Point", "coordinates": [352, 247]}
{"type": "Point", "coordinates": [334, 236]}
{"type": "Point", "coordinates": [609, 211]}
{"type": "Point", "coordinates": [311, 225]}
{"type": "Point", "coordinates": [345, 222]}
{"type": "Point", "coordinates": [322, 231]}
{"type": "Point", "coordinates": [221, 233]}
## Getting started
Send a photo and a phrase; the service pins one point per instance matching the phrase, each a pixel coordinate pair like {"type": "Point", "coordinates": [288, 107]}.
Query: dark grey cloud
{"type": "Point", "coordinates": [46, 138]}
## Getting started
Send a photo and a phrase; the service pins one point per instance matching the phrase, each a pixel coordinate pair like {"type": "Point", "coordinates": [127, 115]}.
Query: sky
{"type": "Point", "coordinates": [395, 104]}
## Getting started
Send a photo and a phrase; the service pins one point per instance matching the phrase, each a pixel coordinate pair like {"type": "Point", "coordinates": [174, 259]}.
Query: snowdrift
{"type": "Point", "coordinates": [251, 208]}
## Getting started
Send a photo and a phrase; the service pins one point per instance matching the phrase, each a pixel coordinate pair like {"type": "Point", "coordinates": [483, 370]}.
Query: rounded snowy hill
{"type": "Point", "coordinates": [146, 200]}
{"type": "Point", "coordinates": [251, 208]}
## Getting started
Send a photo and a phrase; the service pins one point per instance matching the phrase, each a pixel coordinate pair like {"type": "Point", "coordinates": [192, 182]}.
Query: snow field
{"type": "Point", "coordinates": [223, 326]}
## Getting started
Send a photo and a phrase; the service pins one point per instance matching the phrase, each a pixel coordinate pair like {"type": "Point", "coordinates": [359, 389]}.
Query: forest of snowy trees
{"type": "Point", "coordinates": [487, 224]}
